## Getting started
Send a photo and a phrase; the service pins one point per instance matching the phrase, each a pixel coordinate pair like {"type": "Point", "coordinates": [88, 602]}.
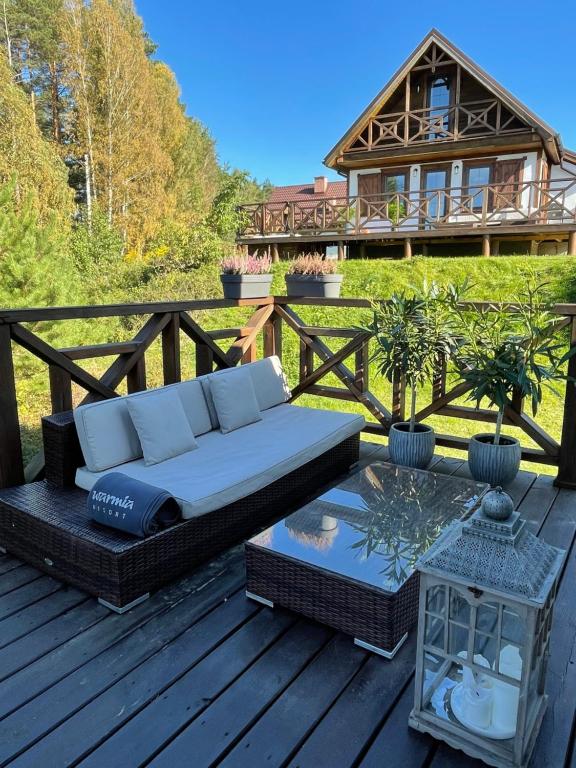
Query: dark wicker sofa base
{"type": "Point", "coordinates": [47, 525]}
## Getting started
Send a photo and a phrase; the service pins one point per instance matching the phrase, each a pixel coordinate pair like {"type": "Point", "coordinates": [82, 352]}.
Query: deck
{"type": "Point", "coordinates": [199, 676]}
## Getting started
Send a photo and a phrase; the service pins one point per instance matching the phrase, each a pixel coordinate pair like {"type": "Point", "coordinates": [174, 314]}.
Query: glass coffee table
{"type": "Point", "coordinates": [347, 558]}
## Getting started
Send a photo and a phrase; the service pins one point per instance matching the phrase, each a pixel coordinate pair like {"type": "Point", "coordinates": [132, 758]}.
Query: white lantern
{"type": "Point", "coordinates": [487, 590]}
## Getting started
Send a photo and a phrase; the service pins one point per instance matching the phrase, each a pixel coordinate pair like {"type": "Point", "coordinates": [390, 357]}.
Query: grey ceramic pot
{"type": "Point", "coordinates": [411, 449]}
{"type": "Point", "coordinates": [317, 286]}
{"type": "Point", "coordinates": [246, 286]}
{"type": "Point", "coordinates": [494, 464]}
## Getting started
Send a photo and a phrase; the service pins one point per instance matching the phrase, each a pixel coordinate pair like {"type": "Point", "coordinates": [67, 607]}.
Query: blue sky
{"type": "Point", "coordinates": [278, 83]}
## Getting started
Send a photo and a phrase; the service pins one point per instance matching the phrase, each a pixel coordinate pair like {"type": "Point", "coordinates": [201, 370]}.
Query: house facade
{"type": "Point", "coordinates": [443, 160]}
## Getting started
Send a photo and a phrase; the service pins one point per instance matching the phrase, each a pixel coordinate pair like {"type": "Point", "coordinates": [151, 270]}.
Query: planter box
{"type": "Point", "coordinates": [316, 286]}
{"type": "Point", "coordinates": [246, 286]}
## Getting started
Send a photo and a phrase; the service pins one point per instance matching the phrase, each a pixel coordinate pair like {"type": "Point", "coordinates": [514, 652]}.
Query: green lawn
{"type": "Point", "coordinates": [498, 278]}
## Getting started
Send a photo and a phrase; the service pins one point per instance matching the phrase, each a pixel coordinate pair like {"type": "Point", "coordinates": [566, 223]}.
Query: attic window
{"type": "Point", "coordinates": [439, 106]}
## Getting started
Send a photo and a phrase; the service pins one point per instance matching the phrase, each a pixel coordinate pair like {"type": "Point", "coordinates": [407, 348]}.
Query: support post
{"type": "Point", "coordinates": [272, 336]}
{"type": "Point", "coordinates": [533, 247]}
{"type": "Point", "coordinates": [486, 245]}
{"type": "Point", "coordinates": [341, 252]}
{"type": "Point", "coordinates": [408, 248]}
{"type": "Point", "coordinates": [275, 253]}
{"type": "Point", "coordinates": [572, 243]}
{"type": "Point", "coordinates": [11, 464]}
{"type": "Point", "coordinates": [566, 477]}
{"type": "Point", "coordinates": [495, 247]}
{"type": "Point", "coordinates": [136, 376]}
{"type": "Point", "coordinates": [204, 360]}
{"type": "Point", "coordinates": [171, 350]}
{"type": "Point", "coordinates": [250, 356]}
{"type": "Point", "coordinates": [60, 389]}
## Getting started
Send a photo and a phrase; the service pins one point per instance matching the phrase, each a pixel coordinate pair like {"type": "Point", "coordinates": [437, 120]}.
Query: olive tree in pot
{"type": "Point", "coordinates": [414, 335]}
{"type": "Point", "coordinates": [508, 351]}
{"type": "Point", "coordinates": [246, 277]}
{"type": "Point", "coordinates": [313, 275]}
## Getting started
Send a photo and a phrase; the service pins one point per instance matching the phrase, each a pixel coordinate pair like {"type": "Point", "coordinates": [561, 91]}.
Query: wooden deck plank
{"type": "Point", "coordinates": [167, 659]}
{"type": "Point", "coordinates": [17, 578]}
{"type": "Point", "coordinates": [279, 732]}
{"type": "Point", "coordinates": [8, 563]}
{"type": "Point", "coordinates": [157, 718]}
{"type": "Point", "coordinates": [47, 637]}
{"type": "Point", "coordinates": [210, 583]}
{"type": "Point", "coordinates": [30, 593]}
{"type": "Point", "coordinates": [40, 613]}
{"type": "Point", "coordinates": [366, 701]}
{"type": "Point", "coordinates": [232, 714]}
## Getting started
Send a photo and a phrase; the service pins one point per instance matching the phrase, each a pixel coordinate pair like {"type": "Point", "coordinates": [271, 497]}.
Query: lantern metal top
{"type": "Point", "coordinates": [498, 555]}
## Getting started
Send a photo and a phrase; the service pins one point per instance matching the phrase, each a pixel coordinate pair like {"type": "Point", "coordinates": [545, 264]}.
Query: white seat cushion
{"type": "Point", "coordinates": [162, 426]}
{"type": "Point", "coordinates": [234, 400]}
{"type": "Point", "coordinates": [229, 467]}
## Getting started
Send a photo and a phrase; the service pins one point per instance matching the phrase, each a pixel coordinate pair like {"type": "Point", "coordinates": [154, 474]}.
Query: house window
{"type": "Point", "coordinates": [476, 177]}
{"type": "Point", "coordinates": [439, 106]}
{"type": "Point", "coordinates": [394, 188]}
{"type": "Point", "coordinates": [394, 181]}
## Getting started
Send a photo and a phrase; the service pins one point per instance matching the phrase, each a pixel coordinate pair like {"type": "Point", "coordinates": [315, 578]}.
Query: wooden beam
{"type": "Point", "coordinates": [199, 336]}
{"type": "Point", "coordinates": [341, 251]}
{"type": "Point", "coordinates": [204, 360]}
{"type": "Point", "coordinates": [239, 347]}
{"type": "Point", "coordinates": [407, 248]}
{"type": "Point", "coordinates": [567, 460]}
{"type": "Point", "coordinates": [51, 356]}
{"type": "Point", "coordinates": [275, 253]}
{"type": "Point", "coordinates": [328, 365]}
{"type": "Point", "coordinates": [91, 351]}
{"type": "Point", "coordinates": [486, 245]}
{"type": "Point", "coordinates": [572, 243]}
{"type": "Point", "coordinates": [11, 464]}
{"type": "Point", "coordinates": [272, 336]}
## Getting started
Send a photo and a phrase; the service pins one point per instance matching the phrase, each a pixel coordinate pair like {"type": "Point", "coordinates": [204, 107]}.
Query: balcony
{"type": "Point", "coordinates": [529, 206]}
{"type": "Point", "coordinates": [468, 120]}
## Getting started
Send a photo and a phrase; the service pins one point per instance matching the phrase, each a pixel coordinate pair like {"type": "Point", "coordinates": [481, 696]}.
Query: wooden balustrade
{"type": "Point", "coordinates": [472, 119]}
{"type": "Point", "coordinates": [489, 205]}
{"type": "Point", "coordinates": [339, 351]}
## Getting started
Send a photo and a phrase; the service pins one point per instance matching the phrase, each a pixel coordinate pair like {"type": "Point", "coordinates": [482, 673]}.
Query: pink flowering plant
{"type": "Point", "coordinates": [313, 264]}
{"type": "Point", "coordinates": [245, 265]}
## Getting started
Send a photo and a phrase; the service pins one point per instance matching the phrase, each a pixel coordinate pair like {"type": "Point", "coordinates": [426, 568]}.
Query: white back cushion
{"type": "Point", "coordinates": [270, 385]}
{"type": "Point", "coordinates": [106, 433]}
{"type": "Point", "coordinates": [269, 382]}
{"type": "Point", "coordinates": [234, 400]}
{"type": "Point", "coordinates": [194, 404]}
{"type": "Point", "coordinates": [162, 426]}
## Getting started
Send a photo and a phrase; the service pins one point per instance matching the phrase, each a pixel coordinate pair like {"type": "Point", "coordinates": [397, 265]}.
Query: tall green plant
{"type": "Point", "coordinates": [511, 350]}
{"type": "Point", "coordinates": [415, 334]}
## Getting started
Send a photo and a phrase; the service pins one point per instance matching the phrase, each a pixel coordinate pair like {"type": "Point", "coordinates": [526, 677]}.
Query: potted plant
{"type": "Point", "coordinates": [414, 335]}
{"type": "Point", "coordinates": [246, 277]}
{"type": "Point", "coordinates": [313, 275]}
{"type": "Point", "coordinates": [507, 352]}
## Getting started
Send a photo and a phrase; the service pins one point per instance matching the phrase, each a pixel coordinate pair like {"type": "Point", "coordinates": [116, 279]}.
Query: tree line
{"type": "Point", "coordinates": [97, 153]}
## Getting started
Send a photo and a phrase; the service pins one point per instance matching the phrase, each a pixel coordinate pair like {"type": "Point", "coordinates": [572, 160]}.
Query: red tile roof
{"type": "Point", "coordinates": [299, 192]}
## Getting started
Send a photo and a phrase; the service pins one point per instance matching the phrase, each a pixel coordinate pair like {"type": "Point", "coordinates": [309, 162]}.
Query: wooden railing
{"type": "Point", "coordinates": [340, 351]}
{"type": "Point", "coordinates": [472, 119]}
{"type": "Point", "coordinates": [489, 205]}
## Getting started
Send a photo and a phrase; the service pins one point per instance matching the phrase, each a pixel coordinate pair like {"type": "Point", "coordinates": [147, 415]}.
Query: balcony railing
{"type": "Point", "coordinates": [472, 119]}
{"type": "Point", "coordinates": [332, 361]}
{"type": "Point", "coordinates": [531, 202]}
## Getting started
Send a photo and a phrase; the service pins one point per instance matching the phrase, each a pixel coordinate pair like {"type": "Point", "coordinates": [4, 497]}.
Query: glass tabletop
{"type": "Point", "coordinates": [374, 525]}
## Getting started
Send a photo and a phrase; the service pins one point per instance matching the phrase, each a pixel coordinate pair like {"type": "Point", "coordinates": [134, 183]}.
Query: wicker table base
{"type": "Point", "coordinates": [347, 558]}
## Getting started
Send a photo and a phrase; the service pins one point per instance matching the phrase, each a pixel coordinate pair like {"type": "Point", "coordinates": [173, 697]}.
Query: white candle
{"type": "Point", "coordinates": [477, 706]}
{"type": "Point", "coordinates": [506, 695]}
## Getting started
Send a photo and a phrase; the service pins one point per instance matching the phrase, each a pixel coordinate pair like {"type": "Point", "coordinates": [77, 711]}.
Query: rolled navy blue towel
{"type": "Point", "coordinates": [131, 505]}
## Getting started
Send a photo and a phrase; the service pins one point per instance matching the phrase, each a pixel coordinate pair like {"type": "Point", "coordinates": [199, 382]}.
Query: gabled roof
{"type": "Point", "coordinates": [301, 192]}
{"type": "Point", "coordinates": [550, 137]}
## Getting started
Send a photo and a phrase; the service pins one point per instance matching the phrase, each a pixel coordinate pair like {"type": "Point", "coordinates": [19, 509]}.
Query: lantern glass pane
{"type": "Point", "coordinates": [487, 618]}
{"type": "Point", "coordinates": [513, 626]}
{"type": "Point", "coordinates": [487, 647]}
{"type": "Point", "coordinates": [436, 599]}
{"type": "Point", "coordinates": [434, 633]}
{"type": "Point", "coordinates": [459, 607]}
{"type": "Point", "coordinates": [458, 639]}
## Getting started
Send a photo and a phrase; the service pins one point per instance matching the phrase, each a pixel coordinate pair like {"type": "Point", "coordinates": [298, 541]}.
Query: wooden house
{"type": "Point", "coordinates": [443, 160]}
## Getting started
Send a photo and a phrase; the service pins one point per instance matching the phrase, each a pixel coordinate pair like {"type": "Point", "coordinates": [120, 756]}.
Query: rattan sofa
{"type": "Point", "coordinates": [46, 523]}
